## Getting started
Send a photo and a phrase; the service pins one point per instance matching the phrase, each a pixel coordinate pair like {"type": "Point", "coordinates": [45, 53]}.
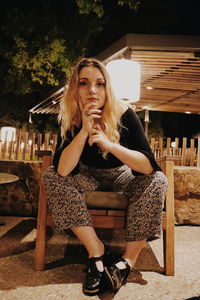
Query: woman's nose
{"type": "Point", "coordinates": [92, 89]}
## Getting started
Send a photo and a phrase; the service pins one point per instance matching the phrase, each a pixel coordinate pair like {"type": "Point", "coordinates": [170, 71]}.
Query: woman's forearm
{"type": "Point", "coordinates": [135, 160]}
{"type": "Point", "coordinates": [71, 154]}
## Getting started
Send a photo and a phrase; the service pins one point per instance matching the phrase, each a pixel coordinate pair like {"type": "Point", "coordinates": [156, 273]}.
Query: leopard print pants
{"type": "Point", "coordinates": [146, 198]}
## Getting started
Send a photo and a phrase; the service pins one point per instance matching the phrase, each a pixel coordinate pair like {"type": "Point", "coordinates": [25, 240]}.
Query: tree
{"type": "Point", "coordinates": [96, 6]}
{"type": "Point", "coordinates": [39, 46]}
{"type": "Point", "coordinates": [39, 43]}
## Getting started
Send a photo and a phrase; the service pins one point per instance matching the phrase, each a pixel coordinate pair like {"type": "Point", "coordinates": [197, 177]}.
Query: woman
{"type": "Point", "coordinates": [102, 146]}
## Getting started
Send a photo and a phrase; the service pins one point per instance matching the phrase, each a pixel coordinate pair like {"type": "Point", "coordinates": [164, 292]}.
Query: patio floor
{"type": "Point", "coordinates": [62, 278]}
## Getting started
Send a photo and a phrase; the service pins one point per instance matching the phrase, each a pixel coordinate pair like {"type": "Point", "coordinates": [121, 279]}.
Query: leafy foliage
{"type": "Point", "coordinates": [96, 6]}
{"type": "Point", "coordinates": [40, 44]}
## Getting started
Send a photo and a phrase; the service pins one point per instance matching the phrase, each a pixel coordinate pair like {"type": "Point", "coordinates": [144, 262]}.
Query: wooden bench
{"type": "Point", "coordinates": [109, 211]}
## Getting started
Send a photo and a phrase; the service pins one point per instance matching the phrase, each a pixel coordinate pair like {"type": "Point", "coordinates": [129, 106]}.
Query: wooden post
{"type": "Point", "coordinates": [5, 145]}
{"type": "Point", "coordinates": [153, 145]}
{"type": "Point", "coordinates": [18, 144]}
{"type": "Point", "coordinates": [184, 147]}
{"type": "Point", "coordinates": [32, 146]}
{"type": "Point", "coordinates": [169, 232]}
{"type": "Point", "coordinates": [176, 146]}
{"type": "Point", "coordinates": [192, 153]}
{"type": "Point", "coordinates": [39, 142]}
{"type": "Point", "coordinates": [25, 145]}
{"type": "Point", "coordinates": [42, 216]}
{"type": "Point", "coordinates": [11, 146]}
{"type": "Point", "coordinates": [167, 165]}
{"type": "Point", "coordinates": [198, 153]}
{"type": "Point", "coordinates": [168, 146]}
{"type": "Point", "coordinates": [54, 142]}
{"type": "Point", "coordinates": [160, 147]}
{"type": "Point", "coordinates": [46, 141]}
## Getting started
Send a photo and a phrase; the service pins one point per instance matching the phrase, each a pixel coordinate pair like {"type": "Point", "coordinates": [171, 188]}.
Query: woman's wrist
{"type": "Point", "coordinates": [84, 133]}
{"type": "Point", "coordinates": [110, 147]}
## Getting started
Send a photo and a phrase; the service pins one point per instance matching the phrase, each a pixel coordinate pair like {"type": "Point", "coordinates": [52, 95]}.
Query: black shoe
{"type": "Point", "coordinates": [107, 256]}
{"type": "Point", "coordinates": [94, 279]}
{"type": "Point", "coordinates": [116, 277]}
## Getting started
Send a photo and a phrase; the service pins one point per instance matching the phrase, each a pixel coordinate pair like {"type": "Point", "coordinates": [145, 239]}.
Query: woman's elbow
{"type": "Point", "coordinates": [62, 171]}
{"type": "Point", "coordinates": [149, 170]}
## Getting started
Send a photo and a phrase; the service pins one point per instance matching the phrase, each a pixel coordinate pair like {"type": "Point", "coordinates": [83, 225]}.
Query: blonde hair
{"type": "Point", "coordinates": [70, 113]}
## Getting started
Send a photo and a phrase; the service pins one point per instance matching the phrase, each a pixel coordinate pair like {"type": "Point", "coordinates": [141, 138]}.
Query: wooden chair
{"type": "Point", "coordinates": [110, 216]}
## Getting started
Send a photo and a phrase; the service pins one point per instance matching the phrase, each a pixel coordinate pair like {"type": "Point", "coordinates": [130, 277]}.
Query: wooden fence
{"type": "Point", "coordinates": [24, 145]}
{"type": "Point", "coordinates": [187, 149]}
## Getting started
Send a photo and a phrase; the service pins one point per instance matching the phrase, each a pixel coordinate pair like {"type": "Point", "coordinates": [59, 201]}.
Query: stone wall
{"type": "Point", "coordinates": [21, 198]}
{"type": "Point", "coordinates": [187, 195]}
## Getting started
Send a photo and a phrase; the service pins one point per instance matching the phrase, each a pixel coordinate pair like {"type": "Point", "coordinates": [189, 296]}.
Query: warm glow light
{"type": "Point", "coordinates": [125, 79]}
{"type": "Point", "coordinates": [173, 144]}
{"type": "Point", "coordinates": [7, 133]}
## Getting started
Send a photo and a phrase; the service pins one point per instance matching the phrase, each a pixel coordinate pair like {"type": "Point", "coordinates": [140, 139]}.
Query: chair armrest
{"type": "Point", "coordinates": [42, 153]}
{"type": "Point", "coordinates": [175, 158]}
{"type": "Point", "coordinates": [46, 156]}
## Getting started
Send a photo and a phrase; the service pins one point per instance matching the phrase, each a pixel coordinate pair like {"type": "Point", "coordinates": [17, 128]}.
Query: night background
{"type": "Point", "coordinates": [41, 40]}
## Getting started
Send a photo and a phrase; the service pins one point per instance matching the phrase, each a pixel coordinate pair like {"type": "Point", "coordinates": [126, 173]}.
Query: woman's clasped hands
{"type": "Point", "coordinates": [89, 114]}
{"type": "Point", "coordinates": [90, 117]}
{"type": "Point", "coordinates": [97, 136]}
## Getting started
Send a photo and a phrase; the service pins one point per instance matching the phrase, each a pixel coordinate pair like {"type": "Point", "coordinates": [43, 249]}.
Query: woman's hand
{"type": "Point", "coordinates": [97, 136]}
{"type": "Point", "coordinates": [89, 114]}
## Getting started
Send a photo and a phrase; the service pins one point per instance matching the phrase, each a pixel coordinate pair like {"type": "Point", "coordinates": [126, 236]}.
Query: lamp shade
{"type": "Point", "coordinates": [8, 134]}
{"type": "Point", "coordinates": [125, 78]}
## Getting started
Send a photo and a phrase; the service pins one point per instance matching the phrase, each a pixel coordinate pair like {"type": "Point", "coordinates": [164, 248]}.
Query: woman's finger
{"type": "Point", "coordinates": [97, 126]}
{"type": "Point", "coordinates": [95, 113]}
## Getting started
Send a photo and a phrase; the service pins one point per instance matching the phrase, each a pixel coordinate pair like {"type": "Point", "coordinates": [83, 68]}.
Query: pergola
{"type": "Point", "coordinates": [170, 72]}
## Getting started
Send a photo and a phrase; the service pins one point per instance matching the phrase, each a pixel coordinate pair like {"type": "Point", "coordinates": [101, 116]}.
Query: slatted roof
{"type": "Point", "coordinates": [170, 72]}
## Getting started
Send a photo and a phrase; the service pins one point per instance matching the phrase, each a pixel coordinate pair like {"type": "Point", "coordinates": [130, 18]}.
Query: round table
{"type": "Point", "coordinates": [7, 178]}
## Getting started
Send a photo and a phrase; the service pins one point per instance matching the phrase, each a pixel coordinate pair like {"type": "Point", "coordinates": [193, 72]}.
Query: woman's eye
{"type": "Point", "coordinates": [101, 83]}
{"type": "Point", "coordinates": [82, 83]}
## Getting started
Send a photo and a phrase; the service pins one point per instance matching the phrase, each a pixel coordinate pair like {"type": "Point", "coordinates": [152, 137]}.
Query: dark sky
{"type": "Point", "coordinates": [153, 16]}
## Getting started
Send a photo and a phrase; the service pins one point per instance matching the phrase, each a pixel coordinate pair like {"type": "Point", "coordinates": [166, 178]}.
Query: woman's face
{"type": "Point", "coordinates": [91, 87]}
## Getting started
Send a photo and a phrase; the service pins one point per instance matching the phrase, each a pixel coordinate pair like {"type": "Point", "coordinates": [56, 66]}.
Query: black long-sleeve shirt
{"type": "Point", "coordinates": [131, 136]}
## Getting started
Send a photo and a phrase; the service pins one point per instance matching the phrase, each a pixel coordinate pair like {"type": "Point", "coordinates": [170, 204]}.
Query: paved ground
{"type": "Point", "coordinates": [65, 264]}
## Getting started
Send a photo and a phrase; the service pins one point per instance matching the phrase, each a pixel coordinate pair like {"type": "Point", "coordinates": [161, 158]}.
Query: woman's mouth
{"type": "Point", "coordinates": [92, 99]}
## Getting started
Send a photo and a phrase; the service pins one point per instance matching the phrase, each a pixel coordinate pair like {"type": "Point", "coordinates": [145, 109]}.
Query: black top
{"type": "Point", "coordinates": [131, 136]}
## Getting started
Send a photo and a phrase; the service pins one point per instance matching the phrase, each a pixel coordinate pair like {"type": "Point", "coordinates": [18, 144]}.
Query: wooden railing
{"type": "Point", "coordinates": [25, 144]}
{"type": "Point", "coordinates": [187, 149]}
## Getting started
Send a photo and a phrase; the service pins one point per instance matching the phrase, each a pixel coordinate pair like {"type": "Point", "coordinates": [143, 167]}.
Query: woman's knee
{"type": "Point", "coordinates": [48, 174]}
{"type": "Point", "coordinates": [51, 177]}
{"type": "Point", "coordinates": [160, 180]}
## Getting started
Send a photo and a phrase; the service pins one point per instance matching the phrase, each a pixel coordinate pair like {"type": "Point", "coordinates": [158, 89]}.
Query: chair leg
{"type": "Point", "coordinates": [169, 233]}
{"type": "Point", "coordinates": [41, 231]}
{"type": "Point", "coordinates": [168, 249]}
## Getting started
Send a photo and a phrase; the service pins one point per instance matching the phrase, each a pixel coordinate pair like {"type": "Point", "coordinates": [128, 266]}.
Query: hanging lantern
{"type": "Point", "coordinates": [125, 79]}
{"type": "Point", "coordinates": [8, 134]}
